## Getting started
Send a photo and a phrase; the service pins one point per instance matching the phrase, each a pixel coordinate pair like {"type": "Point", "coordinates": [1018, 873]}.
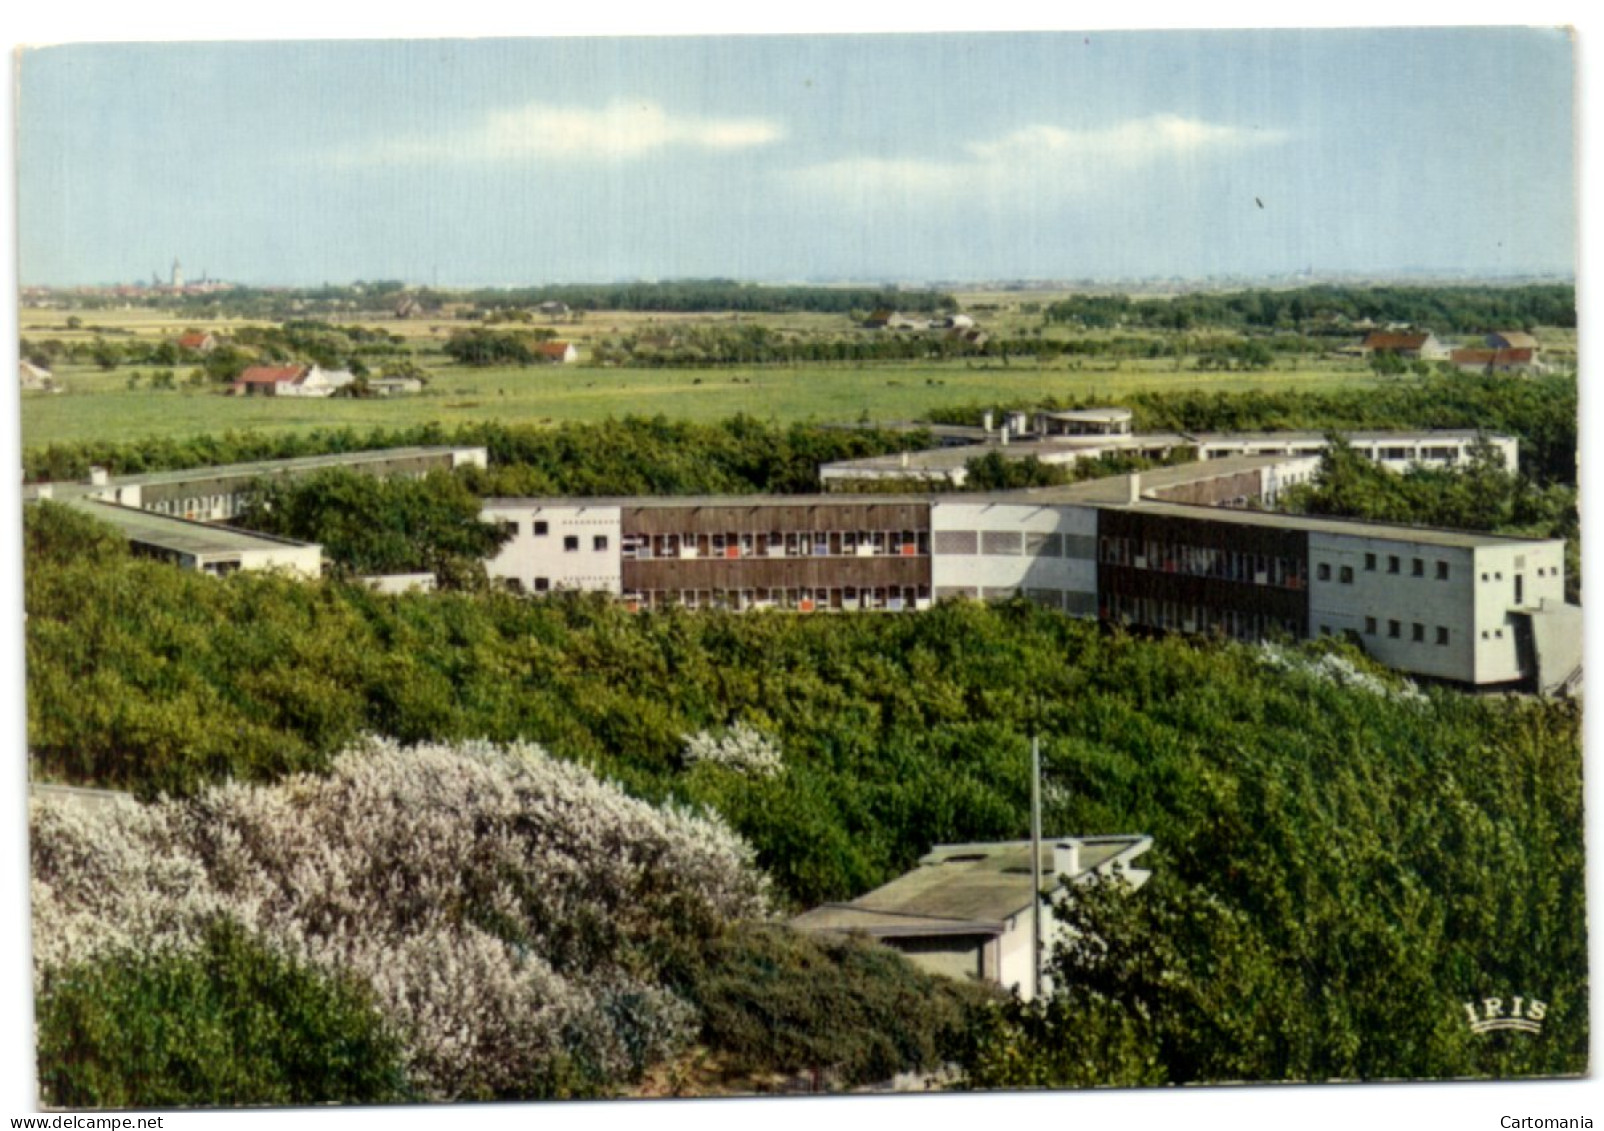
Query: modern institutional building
{"type": "Point", "coordinates": [966, 910]}
{"type": "Point", "coordinates": [1063, 438]}
{"type": "Point", "coordinates": [1176, 549]}
{"type": "Point", "coordinates": [1173, 549]}
{"type": "Point", "coordinates": [171, 515]}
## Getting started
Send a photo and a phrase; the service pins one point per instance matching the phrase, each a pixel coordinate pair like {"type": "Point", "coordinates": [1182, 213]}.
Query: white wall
{"type": "Point", "coordinates": [528, 557]}
{"type": "Point", "coordinates": [1400, 598]}
{"type": "Point", "coordinates": [1496, 657]}
{"type": "Point", "coordinates": [304, 561]}
{"type": "Point", "coordinates": [1015, 560]}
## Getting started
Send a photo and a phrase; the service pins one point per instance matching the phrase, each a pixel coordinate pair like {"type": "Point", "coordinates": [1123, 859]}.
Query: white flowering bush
{"type": "Point", "coordinates": [742, 748]}
{"type": "Point", "coordinates": [508, 910]}
{"type": "Point", "coordinates": [1329, 667]}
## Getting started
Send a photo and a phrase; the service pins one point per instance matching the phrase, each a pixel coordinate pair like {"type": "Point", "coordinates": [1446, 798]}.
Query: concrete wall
{"type": "Point", "coordinates": [1537, 569]}
{"type": "Point", "coordinates": [994, 550]}
{"type": "Point", "coordinates": [556, 546]}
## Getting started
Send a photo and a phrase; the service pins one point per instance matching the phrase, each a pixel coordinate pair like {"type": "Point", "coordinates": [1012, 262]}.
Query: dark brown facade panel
{"type": "Point", "coordinates": [758, 518]}
{"type": "Point", "coordinates": [1284, 604]}
{"type": "Point", "coordinates": [1215, 534]}
{"type": "Point", "coordinates": [775, 573]}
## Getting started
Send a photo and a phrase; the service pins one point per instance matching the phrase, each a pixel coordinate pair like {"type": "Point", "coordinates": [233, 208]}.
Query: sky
{"type": "Point", "coordinates": [910, 158]}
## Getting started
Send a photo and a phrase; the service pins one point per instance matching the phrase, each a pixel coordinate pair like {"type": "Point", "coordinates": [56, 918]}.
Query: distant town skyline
{"type": "Point", "coordinates": [1195, 155]}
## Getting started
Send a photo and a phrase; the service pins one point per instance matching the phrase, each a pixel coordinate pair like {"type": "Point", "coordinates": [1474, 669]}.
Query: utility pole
{"type": "Point", "coordinates": [1035, 865]}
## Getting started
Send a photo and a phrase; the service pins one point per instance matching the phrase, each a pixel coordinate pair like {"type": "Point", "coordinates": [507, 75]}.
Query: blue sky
{"type": "Point", "coordinates": [905, 157]}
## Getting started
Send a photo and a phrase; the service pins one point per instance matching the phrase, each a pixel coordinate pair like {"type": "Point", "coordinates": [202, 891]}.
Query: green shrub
{"type": "Point", "coordinates": [777, 1001]}
{"type": "Point", "coordinates": [233, 1023]}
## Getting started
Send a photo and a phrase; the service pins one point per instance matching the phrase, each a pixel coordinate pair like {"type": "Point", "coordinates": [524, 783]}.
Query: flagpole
{"type": "Point", "coordinates": [1035, 865]}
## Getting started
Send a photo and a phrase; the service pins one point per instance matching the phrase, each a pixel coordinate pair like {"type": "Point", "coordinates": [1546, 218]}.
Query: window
{"type": "Point", "coordinates": [1394, 629]}
{"type": "Point", "coordinates": [599, 542]}
{"type": "Point", "coordinates": [1419, 635]}
{"type": "Point", "coordinates": [1484, 577]}
{"type": "Point", "coordinates": [1442, 571]}
{"type": "Point", "coordinates": [1442, 635]}
{"type": "Point", "coordinates": [1345, 575]}
{"type": "Point", "coordinates": [540, 529]}
{"type": "Point", "coordinates": [510, 529]}
{"type": "Point", "coordinates": [1323, 572]}
{"type": "Point", "coordinates": [1392, 563]}
{"type": "Point", "coordinates": [1370, 562]}
{"type": "Point", "coordinates": [542, 584]}
{"type": "Point", "coordinates": [1370, 626]}
{"type": "Point", "coordinates": [570, 543]}
{"type": "Point", "coordinates": [1325, 630]}
{"type": "Point", "coordinates": [1417, 568]}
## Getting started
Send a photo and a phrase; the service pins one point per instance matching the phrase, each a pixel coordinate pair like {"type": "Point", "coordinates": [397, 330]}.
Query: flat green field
{"type": "Point", "coordinates": [100, 406]}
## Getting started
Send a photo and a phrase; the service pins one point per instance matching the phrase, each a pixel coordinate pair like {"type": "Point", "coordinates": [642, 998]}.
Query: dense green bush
{"type": "Point", "coordinates": [774, 1001]}
{"type": "Point", "coordinates": [233, 1023]}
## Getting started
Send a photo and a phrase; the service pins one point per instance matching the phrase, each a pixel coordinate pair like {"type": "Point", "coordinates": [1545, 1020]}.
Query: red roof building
{"type": "Point", "coordinates": [265, 380]}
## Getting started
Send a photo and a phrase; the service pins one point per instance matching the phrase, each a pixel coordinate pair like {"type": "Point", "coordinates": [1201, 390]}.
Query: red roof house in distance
{"type": "Point", "coordinates": [1413, 344]}
{"type": "Point", "coordinates": [197, 340]}
{"type": "Point", "coordinates": [557, 352]}
{"type": "Point", "coordinates": [1513, 340]}
{"type": "Point", "coordinates": [266, 380]}
{"type": "Point", "coordinates": [1495, 360]}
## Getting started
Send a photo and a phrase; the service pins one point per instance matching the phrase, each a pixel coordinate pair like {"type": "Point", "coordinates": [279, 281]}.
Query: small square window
{"type": "Point", "coordinates": [1484, 577]}
{"type": "Point", "coordinates": [1370, 562]}
{"type": "Point", "coordinates": [1370, 626]}
{"type": "Point", "coordinates": [1325, 630]}
{"type": "Point", "coordinates": [1394, 629]}
{"type": "Point", "coordinates": [1442, 635]}
{"type": "Point", "coordinates": [542, 584]}
{"type": "Point", "coordinates": [541, 529]}
{"type": "Point", "coordinates": [570, 543]}
{"type": "Point", "coordinates": [1392, 563]}
{"type": "Point", "coordinates": [1419, 633]}
{"type": "Point", "coordinates": [599, 542]}
{"type": "Point", "coordinates": [1323, 571]}
{"type": "Point", "coordinates": [1442, 571]}
{"type": "Point", "coordinates": [510, 529]}
{"type": "Point", "coordinates": [1417, 568]}
{"type": "Point", "coordinates": [1345, 575]}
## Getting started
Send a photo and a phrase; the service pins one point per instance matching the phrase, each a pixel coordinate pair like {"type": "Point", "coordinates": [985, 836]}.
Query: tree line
{"type": "Point", "coordinates": [1331, 309]}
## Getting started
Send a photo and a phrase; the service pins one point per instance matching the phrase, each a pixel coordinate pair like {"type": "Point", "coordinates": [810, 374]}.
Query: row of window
{"type": "Point", "coordinates": [795, 544]}
{"type": "Point", "coordinates": [892, 598]}
{"type": "Point", "coordinates": [1417, 631]}
{"type": "Point", "coordinates": [1417, 568]}
{"type": "Point", "coordinates": [1202, 561]}
{"type": "Point", "coordinates": [1180, 616]}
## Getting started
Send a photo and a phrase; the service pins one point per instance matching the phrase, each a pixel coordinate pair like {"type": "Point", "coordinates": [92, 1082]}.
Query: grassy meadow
{"type": "Point", "coordinates": [99, 404]}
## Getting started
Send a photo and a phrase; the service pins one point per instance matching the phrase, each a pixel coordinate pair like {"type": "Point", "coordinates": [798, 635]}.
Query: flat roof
{"type": "Point", "coordinates": [966, 888]}
{"type": "Point", "coordinates": [1360, 436]}
{"type": "Point", "coordinates": [273, 466]}
{"type": "Point", "coordinates": [180, 534]}
{"type": "Point", "coordinates": [1349, 527]}
{"type": "Point", "coordinates": [836, 499]}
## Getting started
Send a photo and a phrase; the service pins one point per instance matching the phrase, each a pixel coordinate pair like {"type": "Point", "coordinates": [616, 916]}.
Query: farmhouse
{"type": "Point", "coordinates": [290, 381]}
{"type": "Point", "coordinates": [966, 910]}
{"type": "Point", "coordinates": [36, 378]}
{"type": "Point", "coordinates": [197, 341]}
{"type": "Point", "coordinates": [558, 353]}
{"type": "Point", "coordinates": [1412, 345]}
{"type": "Point", "coordinates": [1511, 359]}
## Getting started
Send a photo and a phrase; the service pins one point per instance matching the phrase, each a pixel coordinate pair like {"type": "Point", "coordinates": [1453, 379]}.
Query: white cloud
{"type": "Point", "coordinates": [621, 131]}
{"type": "Point", "coordinates": [1038, 160]}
